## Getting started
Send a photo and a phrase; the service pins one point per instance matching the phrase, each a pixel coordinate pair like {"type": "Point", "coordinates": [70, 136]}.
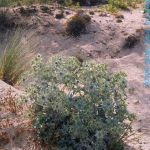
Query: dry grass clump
{"type": "Point", "coordinates": [16, 54]}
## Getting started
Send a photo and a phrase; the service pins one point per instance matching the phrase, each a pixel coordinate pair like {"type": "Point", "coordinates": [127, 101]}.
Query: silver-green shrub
{"type": "Point", "coordinates": [78, 106]}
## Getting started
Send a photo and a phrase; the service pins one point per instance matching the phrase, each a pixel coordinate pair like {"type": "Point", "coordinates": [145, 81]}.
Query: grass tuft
{"type": "Point", "coordinates": [17, 53]}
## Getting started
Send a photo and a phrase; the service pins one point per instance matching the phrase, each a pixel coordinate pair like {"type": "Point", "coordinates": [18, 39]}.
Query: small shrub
{"type": "Point", "coordinates": [78, 107]}
{"type": "Point", "coordinates": [91, 12]}
{"type": "Point", "coordinates": [77, 6]}
{"type": "Point", "coordinates": [131, 41]}
{"type": "Point", "coordinates": [76, 25]}
{"type": "Point", "coordinates": [110, 8]}
{"type": "Point", "coordinates": [132, 90]}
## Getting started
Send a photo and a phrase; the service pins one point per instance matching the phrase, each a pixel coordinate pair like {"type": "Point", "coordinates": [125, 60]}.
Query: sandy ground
{"type": "Point", "coordinates": [104, 43]}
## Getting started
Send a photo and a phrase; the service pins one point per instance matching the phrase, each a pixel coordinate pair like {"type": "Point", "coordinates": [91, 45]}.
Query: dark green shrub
{"type": "Point", "coordinates": [91, 12]}
{"type": "Point", "coordinates": [78, 107]}
{"type": "Point", "coordinates": [76, 25]}
{"type": "Point", "coordinates": [110, 8]}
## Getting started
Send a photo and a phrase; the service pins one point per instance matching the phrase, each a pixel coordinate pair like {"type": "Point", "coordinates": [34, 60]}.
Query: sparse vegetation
{"type": "Point", "coordinates": [75, 26]}
{"type": "Point", "coordinates": [91, 12]}
{"type": "Point", "coordinates": [109, 8]}
{"type": "Point", "coordinates": [132, 90]}
{"type": "Point", "coordinates": [114, 5]}
{"type": "Point", "coordinates": [16, 55]}
{"type": "Point", "coordinates": [78, 107]}
{"type": "Point", "coordinates": [77, 6]}
{"type": "Point", "coordinates": [9, 101]}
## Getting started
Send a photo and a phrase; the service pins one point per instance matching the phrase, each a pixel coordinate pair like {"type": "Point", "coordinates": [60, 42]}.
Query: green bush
{"type": "Point", "coordinates": [91, 12]}
{"type": "Point", "coordinates": [119, 3]}
{"type": "Point", "coordinates": [76, 25]}
{"type": "Point", "coordinates": [77, 107]}
{"type": "Point", "coordinates": [110, 8]}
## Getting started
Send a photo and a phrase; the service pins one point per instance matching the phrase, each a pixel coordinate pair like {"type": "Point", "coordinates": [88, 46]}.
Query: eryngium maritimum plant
{"type": "Point", "coordinates": [78, 107]}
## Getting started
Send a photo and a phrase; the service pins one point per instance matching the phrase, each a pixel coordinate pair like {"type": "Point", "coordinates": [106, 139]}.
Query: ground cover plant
{"type": "Point", "coordinates": [4, 3]}
{"type": "Point", "coordinates": [77, 106]}
{"type": "Point", "coordinates": [114, 5]}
